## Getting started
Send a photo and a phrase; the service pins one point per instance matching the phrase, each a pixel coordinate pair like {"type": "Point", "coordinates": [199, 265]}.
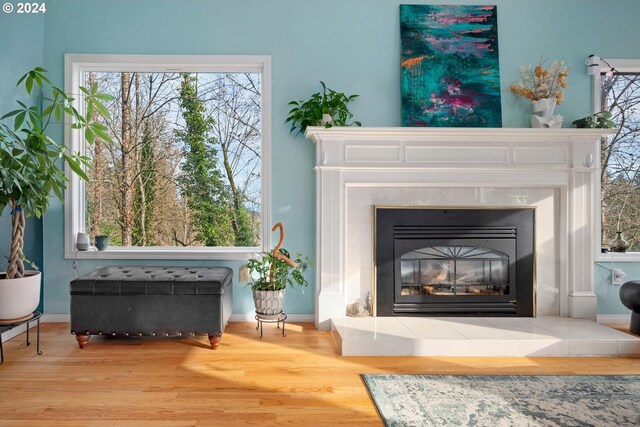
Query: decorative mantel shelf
{"type": "Point", "coordinates": [354, 147]}
{"type": "Point", "coordinates": [313, 131]}
{"type": "Point", "coordinates": [554, 170]}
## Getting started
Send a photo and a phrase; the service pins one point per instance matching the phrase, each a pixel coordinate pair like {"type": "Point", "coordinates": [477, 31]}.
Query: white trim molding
{"type": "Point", "coordinates": [291, 317]}
{"type": "Point", "coordinates": [596, 66]}
{"type": "Point", "coordinates": [552, 169]}
{"type": "Point", "coordinates": [235, 317]}
{"type": "Point", "coordinates": [11, 333]}
{"type": "Point", "coordinates": [75, 67]}
{"type": "Point", "coordinates": [617, 256]}
{"type": "Point", "coordinates": [66, 318]}
{"type": "Point", "coordinates": [614, 318]}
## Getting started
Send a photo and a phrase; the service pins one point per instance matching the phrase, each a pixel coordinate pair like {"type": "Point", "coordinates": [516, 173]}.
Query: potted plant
{"type": "Point", "coordinates": [327, 108]}
{"type": "Point", "coordinates": [271, 273]}
{"type": "Point", "coordinates": [601, 120]}
{"type": "Point", "coordinates": [31, 168]}
{"type": "Point", "coordinates": [544, 86]}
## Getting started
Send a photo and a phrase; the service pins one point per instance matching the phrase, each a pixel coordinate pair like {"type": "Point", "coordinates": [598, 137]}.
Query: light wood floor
{"type": "Point", "coordinates": [296, 380]}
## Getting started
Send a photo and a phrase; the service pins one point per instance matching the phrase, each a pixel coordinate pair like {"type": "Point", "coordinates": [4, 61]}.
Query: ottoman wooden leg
{"type": "Point", "coordinates": [214, 340]}
{"type": "Point", "coordinates": [83, 339]}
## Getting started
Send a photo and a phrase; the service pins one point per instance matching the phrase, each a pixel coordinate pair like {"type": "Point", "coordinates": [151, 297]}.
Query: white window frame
{"type": "Point", "coordinates": [596, 66]}
{"type": "Point", "coordinates": [74, 221]}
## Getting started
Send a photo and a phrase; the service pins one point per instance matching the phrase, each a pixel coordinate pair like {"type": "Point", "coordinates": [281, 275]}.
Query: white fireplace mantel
{"type": "Point", "coordinates": [360, 167]}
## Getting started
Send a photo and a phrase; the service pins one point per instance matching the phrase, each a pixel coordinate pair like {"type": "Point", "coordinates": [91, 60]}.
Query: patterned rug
{"type": "Point", "coordinates": [506, 400]}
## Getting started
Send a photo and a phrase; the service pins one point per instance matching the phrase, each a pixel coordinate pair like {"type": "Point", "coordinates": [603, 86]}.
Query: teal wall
{"type": "Point", "coordinates": [351, 45]}
{"type": "Point", "coordinates": [21, 48]}
{"type": "Point", "coordinates": [608, 294]}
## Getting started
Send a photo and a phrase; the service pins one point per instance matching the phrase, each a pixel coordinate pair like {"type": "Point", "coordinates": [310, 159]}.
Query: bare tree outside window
{"type": "Point", "coordinates": [620, 176]}
{"type": "Point", "coordinates": [184, 165]}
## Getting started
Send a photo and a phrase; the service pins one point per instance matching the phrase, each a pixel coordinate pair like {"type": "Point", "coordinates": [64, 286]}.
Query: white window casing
{"type": "Point", "coordinates": [596, 66]}
{"type": "Point", "coordinates": [78, 64]}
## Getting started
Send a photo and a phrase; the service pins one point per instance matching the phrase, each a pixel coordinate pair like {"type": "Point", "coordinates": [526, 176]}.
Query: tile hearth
{"type": "Point", "coordinates": [485, 337]}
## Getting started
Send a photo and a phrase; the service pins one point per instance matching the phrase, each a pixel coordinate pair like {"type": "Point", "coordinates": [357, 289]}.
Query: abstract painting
{"type": "Point", "coordinates": [450, 66]}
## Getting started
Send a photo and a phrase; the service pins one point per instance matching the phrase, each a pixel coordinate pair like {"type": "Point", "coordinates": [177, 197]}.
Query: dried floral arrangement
{"type": "Point", "coordinates": [542, 81]}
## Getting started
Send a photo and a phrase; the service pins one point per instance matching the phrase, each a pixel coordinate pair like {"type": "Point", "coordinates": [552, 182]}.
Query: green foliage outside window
{"type": "Point", "coordinates": [184, 164]}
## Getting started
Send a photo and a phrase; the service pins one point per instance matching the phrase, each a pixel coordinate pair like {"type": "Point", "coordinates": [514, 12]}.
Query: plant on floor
{"type": "Point", "coordinates": [272, 272]}
{"type": "Point", "coordinates": [32, 162]}
{"type": "Point", "coordinates": [327, 108]}
{"type": "Point", "coordinates": [275, 273]}
{"type": "Point", "coordinates": [601, 120]}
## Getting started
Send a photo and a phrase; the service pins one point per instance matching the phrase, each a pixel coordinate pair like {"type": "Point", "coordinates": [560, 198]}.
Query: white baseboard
{"type": "Point", "coordinates": [614, 318]}
{"type": "Point", "coordinates": [65, 318]}
{"type": "Point", "coordinates": [46, 318]}
{"type": "Point", "coordinates": [251, 317]}
{"type": "Point", "coordinates": [56, 318]}
{"type": "Point", "coordinates": [583, 305]}
{"type": "Point", "coordinates": [6, 336]}
{"type": "Point", "coordinates": [235, 317]}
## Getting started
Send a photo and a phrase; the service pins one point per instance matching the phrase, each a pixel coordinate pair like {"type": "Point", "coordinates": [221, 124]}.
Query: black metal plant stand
{"type": "Point", "coordinates": [34, 317]}
{"type": "Point", "coordinates": [261, 318]}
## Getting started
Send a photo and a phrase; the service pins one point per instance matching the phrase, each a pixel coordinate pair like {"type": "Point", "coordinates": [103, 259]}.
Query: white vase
{"type": "Point", "coordinates": [82, 242]}
{"type": "Point", "coordinates": [19, 297]}
{"type": "Point", "coordinates": [326, 118]}
{"type": "Point", "coordinates": [269, 303]}
{"type": "Point", "coordinates": [543, 116]}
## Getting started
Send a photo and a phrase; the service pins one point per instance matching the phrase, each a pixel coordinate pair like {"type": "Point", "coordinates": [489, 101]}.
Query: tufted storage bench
{"type": "Point", "coordinates": [151, 301]}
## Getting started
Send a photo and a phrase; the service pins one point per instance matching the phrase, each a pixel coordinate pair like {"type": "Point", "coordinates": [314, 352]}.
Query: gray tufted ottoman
{"type": "Point", "coordinates": [152, 301]}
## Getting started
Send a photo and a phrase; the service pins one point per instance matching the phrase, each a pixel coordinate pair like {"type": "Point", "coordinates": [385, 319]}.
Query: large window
{"type": "Point", "coordinates": [617, 90]}
{"type": "Point", "coordinates": [184, 172]}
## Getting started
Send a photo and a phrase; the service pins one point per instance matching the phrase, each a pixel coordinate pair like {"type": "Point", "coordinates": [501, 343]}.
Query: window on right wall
{"type": "Point", "coordinates": [618, 91]}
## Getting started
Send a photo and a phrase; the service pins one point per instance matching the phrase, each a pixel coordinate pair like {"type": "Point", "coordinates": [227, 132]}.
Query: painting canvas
{"type": "Point", "coordinates": [450, 66]}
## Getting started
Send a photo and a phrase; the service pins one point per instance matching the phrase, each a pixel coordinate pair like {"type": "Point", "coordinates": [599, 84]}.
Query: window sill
{"type": "Point", "coordinates": [168, 253]}
{"type": "Point", "coordinates": [618, 257]}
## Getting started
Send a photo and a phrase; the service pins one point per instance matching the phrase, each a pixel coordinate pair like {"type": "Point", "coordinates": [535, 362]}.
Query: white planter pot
{"type": "Point", "coordinates": [19, 297]}
{"type": "Point", "coordinates": [269, 302]}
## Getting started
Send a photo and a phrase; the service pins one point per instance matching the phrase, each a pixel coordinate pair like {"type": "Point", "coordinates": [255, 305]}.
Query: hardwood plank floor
{"type": "Point", "coordinates": [296, 380]}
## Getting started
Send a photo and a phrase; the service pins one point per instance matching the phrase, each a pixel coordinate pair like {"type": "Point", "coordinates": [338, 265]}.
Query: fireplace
{"type": "Point", "coordinates": [469, 262]}
{"type": "Point", "coordinates": [553, 170]}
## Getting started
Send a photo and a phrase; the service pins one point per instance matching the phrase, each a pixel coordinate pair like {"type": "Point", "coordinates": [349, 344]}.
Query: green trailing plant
{"type": "Point", "coordinates": [32, 162]}
{"type": "Point", "coordinates": [601, 120]}
{"type": "Point", "coordinates": [309, 113]}
{"type": "Point", "coordinates": [284, 274]}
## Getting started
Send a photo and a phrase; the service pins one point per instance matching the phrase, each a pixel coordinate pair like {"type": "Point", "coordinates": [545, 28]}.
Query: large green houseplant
{"type": "Point", "coordinates": [271, 273]}
{"type": "Point", "coordinates": [327, 108]}
{"type": "Point", "coordinates": [32, 170]}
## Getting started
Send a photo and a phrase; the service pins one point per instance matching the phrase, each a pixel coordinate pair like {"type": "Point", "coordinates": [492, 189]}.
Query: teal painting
{"type": "Point", "coordinates": [450, 66]}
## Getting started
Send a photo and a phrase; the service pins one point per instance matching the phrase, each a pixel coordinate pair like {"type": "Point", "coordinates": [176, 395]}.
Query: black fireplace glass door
{"type": "Point", "coordinates": [449, 273]}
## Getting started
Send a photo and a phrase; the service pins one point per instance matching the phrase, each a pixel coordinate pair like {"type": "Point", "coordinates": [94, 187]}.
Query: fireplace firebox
{"type": "Point", "coordinates": [454, 262]}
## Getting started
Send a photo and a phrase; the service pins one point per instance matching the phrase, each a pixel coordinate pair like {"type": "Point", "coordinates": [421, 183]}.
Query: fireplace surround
{"type": "Point", "coordinates": [552, 170]}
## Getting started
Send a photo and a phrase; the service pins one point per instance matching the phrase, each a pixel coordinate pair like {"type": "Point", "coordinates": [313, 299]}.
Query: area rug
{"type": "Point", "coordinates": [506, 400]}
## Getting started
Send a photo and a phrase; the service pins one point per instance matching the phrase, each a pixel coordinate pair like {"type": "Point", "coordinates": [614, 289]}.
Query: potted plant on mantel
{"type": "Point", "coordinates": [600, 120]}
{"type": "Point", "coordinates": [31, 168]}
{"type": "Point", "coordinates": [327, 108]}
{"type": "Point", "coordinates": [271, 273]}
